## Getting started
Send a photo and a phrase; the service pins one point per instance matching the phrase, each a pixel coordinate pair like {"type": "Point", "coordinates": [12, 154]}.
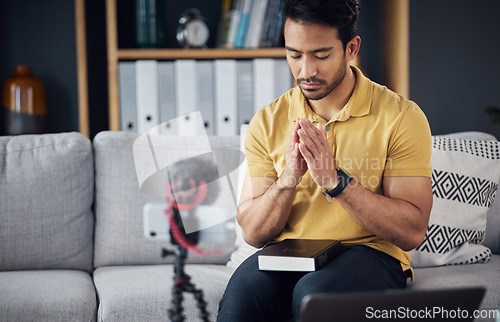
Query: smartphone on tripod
{"type": "Point", "coordinates": [211, 221]}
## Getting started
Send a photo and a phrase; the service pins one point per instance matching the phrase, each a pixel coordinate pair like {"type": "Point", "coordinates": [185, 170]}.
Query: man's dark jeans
{"type": "Point", "coordinates": [253, 295]}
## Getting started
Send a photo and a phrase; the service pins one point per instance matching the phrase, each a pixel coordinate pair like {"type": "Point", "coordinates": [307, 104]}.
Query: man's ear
{"type": "Point", "coordinates": [352, 48]}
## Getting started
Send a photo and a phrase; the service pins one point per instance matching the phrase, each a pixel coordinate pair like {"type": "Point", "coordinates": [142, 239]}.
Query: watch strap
{"type": "Point", "coordinates": [345, 179]}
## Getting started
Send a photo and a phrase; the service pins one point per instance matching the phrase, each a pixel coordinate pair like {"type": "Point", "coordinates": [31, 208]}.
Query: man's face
{"type": "Point", "coordinates": [316, 58]}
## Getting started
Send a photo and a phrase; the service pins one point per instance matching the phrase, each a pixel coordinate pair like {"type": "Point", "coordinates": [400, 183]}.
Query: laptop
{"type": "Point", "coordinates": [393, 305]}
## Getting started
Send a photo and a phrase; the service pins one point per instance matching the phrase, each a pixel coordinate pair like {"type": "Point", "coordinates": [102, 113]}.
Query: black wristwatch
{"type": "Point", "coordinates": [344, 181]}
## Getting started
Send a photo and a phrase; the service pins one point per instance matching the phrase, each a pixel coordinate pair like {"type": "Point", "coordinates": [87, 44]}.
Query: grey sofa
{"type": "Point", "coordinates": [72, 246]}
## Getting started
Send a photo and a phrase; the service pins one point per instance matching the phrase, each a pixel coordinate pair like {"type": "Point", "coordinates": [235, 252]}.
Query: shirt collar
{"type": "Point", "coordinates": [358, 105]}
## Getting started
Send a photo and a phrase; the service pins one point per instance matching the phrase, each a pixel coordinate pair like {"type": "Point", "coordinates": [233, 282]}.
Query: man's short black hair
{"type": "Point", "coordinates": [342, 14]}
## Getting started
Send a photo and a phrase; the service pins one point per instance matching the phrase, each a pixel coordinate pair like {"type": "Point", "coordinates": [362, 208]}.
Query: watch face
{"type": "Point", "coordinates": [196, 33]}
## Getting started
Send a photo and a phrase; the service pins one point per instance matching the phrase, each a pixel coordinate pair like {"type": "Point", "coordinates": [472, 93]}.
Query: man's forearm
{"type": "Point", "coordinates": [393, 219]}
{"type": "Point", "coordinates": [264, 217]}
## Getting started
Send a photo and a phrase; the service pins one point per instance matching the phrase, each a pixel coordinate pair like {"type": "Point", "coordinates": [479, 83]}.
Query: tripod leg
{"type": "Point", "coordinates": [201, 304]}
{"type": "Point", "coordinates": [175, 310]}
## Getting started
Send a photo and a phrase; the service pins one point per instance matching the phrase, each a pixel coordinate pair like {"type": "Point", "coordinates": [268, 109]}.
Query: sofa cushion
{"type": "Point", "coordinates": [47, 295]}
{"type": "Point", "coordinates": [492, 236]}
{"type": "Point", "coordinates": [456, 276]}
{"type": "Point", "coordinates": [119, 203]}
{"type": "Point", "coordinates": [464, 180]}
{"type": "Point", "coordinates": [143, 293]}
{"type": "Point", "coordinates": [46, 194]}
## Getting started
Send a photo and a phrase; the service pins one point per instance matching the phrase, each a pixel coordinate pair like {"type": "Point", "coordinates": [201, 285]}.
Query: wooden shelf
{"type": "Point", "coordinates": [171, 54]}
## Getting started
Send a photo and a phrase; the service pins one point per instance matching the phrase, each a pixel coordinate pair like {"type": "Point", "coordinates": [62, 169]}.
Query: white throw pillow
{"type": "Point", "coordinates": [465, 178]}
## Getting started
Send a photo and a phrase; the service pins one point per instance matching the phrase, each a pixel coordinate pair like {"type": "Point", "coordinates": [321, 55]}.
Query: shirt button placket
{"type": "Point", "coordinates": [329, 134]}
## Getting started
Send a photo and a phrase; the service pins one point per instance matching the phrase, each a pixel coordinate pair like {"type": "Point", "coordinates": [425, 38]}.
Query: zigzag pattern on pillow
{"type": "Point", "coordinates": [442, 239]}
{"type": "Point", "coordinates": [453, 186]}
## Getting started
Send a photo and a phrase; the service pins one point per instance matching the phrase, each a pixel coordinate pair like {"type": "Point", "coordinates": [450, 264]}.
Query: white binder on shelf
{"type": "Point", "coordinates": [226, 101]}
{"type": "Point", "coordinates": [284, 78]}
{"type": "Point", "coordinates": [166, 91]}
{"type": "Point", "coordinates": [245, 92]}
{"type": "Point", "coordinates": [206, 95]}
{"type": "Point", "coordinates": [186, 95]}
{"type": "Point", "coordinates": [128, 98]}
{"type": "Point", "coordinates": [148, 115]}
{"type": "Point", "coordinates": [264, 82]}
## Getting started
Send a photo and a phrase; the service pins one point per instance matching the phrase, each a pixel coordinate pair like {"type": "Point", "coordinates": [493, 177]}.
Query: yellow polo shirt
{"type": "Point", "coordinates": [378, 133]}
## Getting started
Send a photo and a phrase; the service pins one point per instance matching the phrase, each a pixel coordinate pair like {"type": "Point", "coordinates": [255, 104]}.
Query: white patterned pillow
{"type": "Point", "coordinates": [465, 178]}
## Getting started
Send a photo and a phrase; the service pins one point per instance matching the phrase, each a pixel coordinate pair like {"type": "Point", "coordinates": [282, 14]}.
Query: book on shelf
{"type": "Point", "coordinates": [298, 255]}
{"type": "Point", "coordinates": [235, 15]}
{"type": "Point", "coordinates": [272, 27]}
{"type": "Point", "coordinates": [241, 33]}
{"type": "Point", "coordinates": [250, 24]}
{"type": "Point", "coordinates": [257, 16]}
{"type": "Point", "coordinates": [224, 23]}
{"type": "Point", "coordinates": [277, 33]}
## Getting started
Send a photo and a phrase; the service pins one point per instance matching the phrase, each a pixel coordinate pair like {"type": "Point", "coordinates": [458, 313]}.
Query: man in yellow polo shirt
{"type": "Point", "coordinates": [337, 157]}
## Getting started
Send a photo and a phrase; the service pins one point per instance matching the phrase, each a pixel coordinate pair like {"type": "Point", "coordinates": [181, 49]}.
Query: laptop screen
{"type": "Point", "coordinates": [407, 304]}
